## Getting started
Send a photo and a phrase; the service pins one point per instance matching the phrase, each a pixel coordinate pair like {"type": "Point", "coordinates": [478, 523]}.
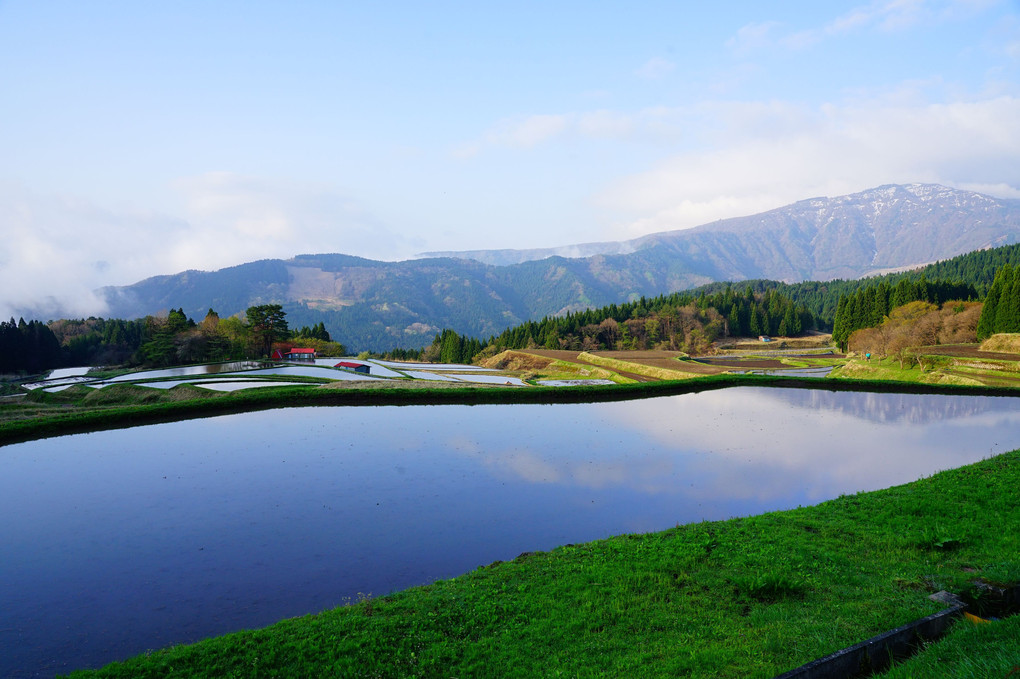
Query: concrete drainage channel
{"type": "Point", "coordinates": [877, 653]}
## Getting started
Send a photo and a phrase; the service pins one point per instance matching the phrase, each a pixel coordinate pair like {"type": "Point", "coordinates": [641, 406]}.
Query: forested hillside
{"type": "Point", "coordinates": [868, 306]}
{"type": "Point", "coordinates": [690, 321]}
{"type": "Point", "coordinates": [30, 346]}
{"type": "Point", "coordinates": [678, 322]}
{"type": "Point", "coordinates": [1001, 312]}
{"type": "Point", "coordinates": [976, 269]}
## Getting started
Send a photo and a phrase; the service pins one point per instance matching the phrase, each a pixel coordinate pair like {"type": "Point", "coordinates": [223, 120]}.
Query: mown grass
{"type": "Point", "coordinates": [748, 597]}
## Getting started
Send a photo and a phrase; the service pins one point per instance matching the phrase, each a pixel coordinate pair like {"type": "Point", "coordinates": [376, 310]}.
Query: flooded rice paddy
{"type": "Point", "coordinates": [118, 542]}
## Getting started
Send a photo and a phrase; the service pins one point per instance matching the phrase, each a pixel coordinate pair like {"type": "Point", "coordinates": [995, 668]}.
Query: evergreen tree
{"type": "Point", "coordinates": [1003, 310]}
{"type": "Point", "coordinates": [267, 323]}
{"type": "Point", "coordinates": [989, 312]}
{"type": "Point", "coordinates": [1012, 304]}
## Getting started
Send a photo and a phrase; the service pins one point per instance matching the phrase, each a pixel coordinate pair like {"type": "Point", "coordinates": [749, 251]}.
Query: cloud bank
{"type": "Point", "coordinates": [772, 157]}
{"type": "Point", "coordinates": [58, 249]}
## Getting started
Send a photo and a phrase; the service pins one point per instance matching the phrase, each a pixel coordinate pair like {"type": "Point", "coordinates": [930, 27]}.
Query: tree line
{"type": "Point", "coordinates": [28, 347]}
{"type": "Point", "coordinates": [893, 322]}
{"type": "Point", "coordinates": [822, 297]}
{"type": "Point", "coordinates": [868, 306]}
{"type": "Point", "coordinates": [154, 341]}
{"type": "Point", "coordinates": [681, 322]}
{"type": "Point", "coordinates": [917, 324]}
{"type": "Point", "coordinates": [1001, 312]}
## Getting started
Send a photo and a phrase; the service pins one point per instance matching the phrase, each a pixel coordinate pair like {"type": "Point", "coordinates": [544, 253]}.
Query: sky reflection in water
{"type": "Point", "coordinates": [121, 541]}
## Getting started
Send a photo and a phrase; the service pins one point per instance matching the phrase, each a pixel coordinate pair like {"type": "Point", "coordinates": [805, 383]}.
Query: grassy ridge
{"type": "Point", "coordinates": [636, 368]}
{"type": "Point", "coordinates": [742, 598]}
{"type": "Point", "coordinates": [968, 652]}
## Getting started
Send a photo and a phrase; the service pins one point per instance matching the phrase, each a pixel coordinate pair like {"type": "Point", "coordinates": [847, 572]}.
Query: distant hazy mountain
{"type": "Point", "coordinates": [890, 227]}
{"type": "Point", "coordinates": [507, 257]}
{"type": "Point", "coordinates": [379, 305]}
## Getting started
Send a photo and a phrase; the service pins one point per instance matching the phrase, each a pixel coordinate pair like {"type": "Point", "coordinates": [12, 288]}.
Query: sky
{"type": "Point", "coordinates": [139, 139]}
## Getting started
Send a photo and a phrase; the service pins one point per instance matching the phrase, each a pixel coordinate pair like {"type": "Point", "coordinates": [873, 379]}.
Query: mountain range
{"type": "Point", "coordinates": [368, 304]}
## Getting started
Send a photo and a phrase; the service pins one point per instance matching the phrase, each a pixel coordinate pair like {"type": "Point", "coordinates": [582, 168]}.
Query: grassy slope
{"type": "Point", "coordinates": [939, 370]}
{"type": "Point", "coordinates": [637, 368]}
{"type": "Point", "coordinates": [968, 652]}
{"type": "Point", "coordinates": [747, 597]}
{"type": "Point", "coordinates": [889, 370]}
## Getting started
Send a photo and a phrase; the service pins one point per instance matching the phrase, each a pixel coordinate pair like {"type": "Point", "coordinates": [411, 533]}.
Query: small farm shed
{"type": "Point", "coordinates": [356, 367]}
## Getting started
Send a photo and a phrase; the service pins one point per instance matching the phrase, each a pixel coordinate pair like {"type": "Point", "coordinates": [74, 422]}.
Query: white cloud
{"type": "Point", "coordinates": [605, 124]}
{"type": "Point", "coordinates": [881, 15]}
{"type": "Point", "coordinates": [1000, 190]}
{"type": "Point", "coordinates": [655, 68]}
{"type": "Point", "coordinates": [59, 249]}
{"type": "Point", "coordinates": [898, 15]}
{"type": "Point", "coordinates": [754, 36]}
{"type": "Point", "coordinates": [765, 162]}
{"type": "Point", "coordinates": [528, 131]}
{"type": "Point", "coordinates": [257, 217]}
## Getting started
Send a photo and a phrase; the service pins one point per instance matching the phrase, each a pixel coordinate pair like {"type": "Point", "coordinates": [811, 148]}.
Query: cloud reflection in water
{"type": "Point", "coordinates": [750, 443]}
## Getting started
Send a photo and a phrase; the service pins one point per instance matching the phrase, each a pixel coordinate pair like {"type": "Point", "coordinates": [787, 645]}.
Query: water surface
{"type": "Point", "coordinates": [117, 542]}
{"type": "Point", "coordinates": [207, 369]}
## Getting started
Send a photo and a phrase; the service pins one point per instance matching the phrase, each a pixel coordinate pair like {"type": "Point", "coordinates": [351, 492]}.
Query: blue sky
{"type": "Point", "coordinates": [146, 138]}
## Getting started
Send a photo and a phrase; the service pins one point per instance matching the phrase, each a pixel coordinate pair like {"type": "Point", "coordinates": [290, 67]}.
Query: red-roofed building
{"type": "Point", "coordinates": [356, 367]}
{"type": "Point", "coordinates": [293, 354]}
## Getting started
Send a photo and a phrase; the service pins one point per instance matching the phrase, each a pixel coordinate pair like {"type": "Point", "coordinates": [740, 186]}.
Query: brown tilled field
{"type": "Point", "coordinates": [519, 360]}
{"type": "Point", "coordinates": [968, 351]}
{"type": "Point", "coordinates": [652, 358]}
{"type": "Point", "coordinates": [812, 341]}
